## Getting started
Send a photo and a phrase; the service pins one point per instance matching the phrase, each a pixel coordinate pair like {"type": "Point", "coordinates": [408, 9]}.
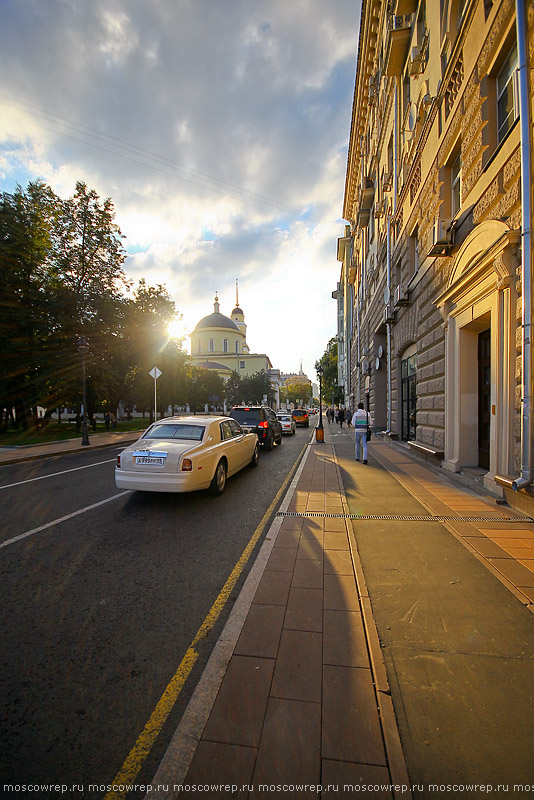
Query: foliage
{"type": "Point", "coordinates": [296, 392]}
{"type": "Point", "coordinates": [331, 392]}
{"type": "Point", "coordinates": [252, 389]}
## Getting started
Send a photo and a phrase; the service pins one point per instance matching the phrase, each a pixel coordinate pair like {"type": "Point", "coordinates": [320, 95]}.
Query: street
{"type": "Point", "coordinates": [103, 592]}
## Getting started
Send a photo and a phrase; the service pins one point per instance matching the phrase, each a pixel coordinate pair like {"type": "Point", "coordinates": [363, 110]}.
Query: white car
{"type": "Point", "coordinates": [287, 422]}
{"type": "Point", "coordinates": [184, 454]}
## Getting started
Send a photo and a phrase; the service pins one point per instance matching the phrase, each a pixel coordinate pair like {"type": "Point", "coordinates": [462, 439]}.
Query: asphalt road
{"type": "Point", "coordinates": [101, 601]}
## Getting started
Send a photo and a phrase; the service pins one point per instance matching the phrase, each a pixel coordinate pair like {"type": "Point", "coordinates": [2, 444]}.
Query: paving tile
{"type": "Point", "coordinates": [513, 551]}
{"type": "Point", "coordinates": [344, 642]}
{"type": "Point", "coordinates": [338, 562]}
{"type": "Point", "coordinates": [273, 589]}
{"type": "Point", "coordinates": [335, 524]}
{"type": "Point", "coordinates": [260, 634]}
{"type": "Point", "coordinates": [340, 593]}
{"type": "Point", "coordinates": [238, 712]}
{"type": "Point", "coordinates": [290, 746]}
{"type": "Point", "coordinates": [288, 538]}
{"type": "Point", "coordinates": [337, 774]}
{"type": "Point", "coordinates": [528, 563]}
{"type": "Point", "coordinates": [308, 573]}
{"type": "Point", "coordinates": [220, 765]}
{"type": "Point", "coordinates": [298, 670]}
{"type": "Point", "coordinates": [528, 591]}
{"type": "Point", "coordinates": [486, 547]}
{"type": "Point", "coordinates": [350, 726]}
{"type": "Point", "coordinates": [291, 524]}
{"type": "Point", "coordinates": [334, 540]}
{"type": "Point", "coordinates": [310, 548]}
{"type": "Point", "coordinates": [515, 572]}
{"type": "Point", "coordinates": [509, 532]}
{"type": "Point", "coordinates": [508, 544]}
{"type": "Point", "coordinates": [304, 610]}
{"type": "Point", "coordinates": [313, 530]}
{"type": "Point", "coordinates": [282, 559]}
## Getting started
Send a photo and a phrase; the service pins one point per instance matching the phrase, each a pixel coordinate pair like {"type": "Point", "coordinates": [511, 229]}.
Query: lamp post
{"type": "Point", "coordinates": [319, 431]}
{"type": "Point", "coordinates": [83, 349]}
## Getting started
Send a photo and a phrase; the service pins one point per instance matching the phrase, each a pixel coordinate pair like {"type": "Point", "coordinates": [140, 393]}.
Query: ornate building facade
{"type": "Point", "coordinates": [434, 296]}
{"type": "Point", "coordinates": [219, 343]}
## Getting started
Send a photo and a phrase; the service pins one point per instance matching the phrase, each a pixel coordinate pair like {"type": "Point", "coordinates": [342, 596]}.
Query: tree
{"type": "Point", "coordinates": [328, 361]}
{"type": "Point", "coordinates": [297, 392]}
{"type": "Point", "coordinates": [254, 388]}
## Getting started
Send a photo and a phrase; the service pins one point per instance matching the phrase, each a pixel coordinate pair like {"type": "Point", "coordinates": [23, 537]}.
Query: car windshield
{"type": "Point", "coordinates": [245, 414]}
{"type": "Point", "coordinates": [284, 417]}
{"type": "Point", "coordinates": [176, 431]}
{"type": "Point", "coordinates": [298, 412]}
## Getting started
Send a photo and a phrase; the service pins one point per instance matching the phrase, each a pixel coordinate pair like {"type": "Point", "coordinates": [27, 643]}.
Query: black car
{"type": "Point", "coordinates": [262, 421]}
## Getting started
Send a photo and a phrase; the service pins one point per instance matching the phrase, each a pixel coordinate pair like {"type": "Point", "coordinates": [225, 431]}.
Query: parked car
{"type": "Point", "coordinates": [184, 454]}
{"type": "Point", "coordinates": [287, 422]}
{"type": "Point", "coordinates": [262, 421]}
{"type": "Point", "coordinates": [300, 415]}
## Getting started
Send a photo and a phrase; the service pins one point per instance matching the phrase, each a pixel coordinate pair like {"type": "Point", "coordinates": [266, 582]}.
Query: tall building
{"type": "Point", "coordinates": [434, 295]}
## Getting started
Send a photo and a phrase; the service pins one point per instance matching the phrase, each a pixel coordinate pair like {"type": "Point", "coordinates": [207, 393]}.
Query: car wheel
{"type": "Point", "coordinates": [219, 479]}
{"type": "Point", "coordinates": [255, 455]}
{"type": "Point", "coordinates": [280, 439]}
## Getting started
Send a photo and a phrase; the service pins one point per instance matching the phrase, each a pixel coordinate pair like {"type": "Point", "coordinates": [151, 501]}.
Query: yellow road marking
{"type": "Point", "coordinates": [139, 752]}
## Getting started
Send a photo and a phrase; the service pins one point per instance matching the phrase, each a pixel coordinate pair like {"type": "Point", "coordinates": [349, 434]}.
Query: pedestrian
{"type": "Point", "coordinates": [362, 422]}
{"type": "Point", "coordinates": [336, 413]}
{"type": "Point", "coordinates": [341, 416]}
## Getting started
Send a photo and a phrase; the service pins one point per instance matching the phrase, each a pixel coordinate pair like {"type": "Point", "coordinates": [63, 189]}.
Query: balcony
{"type": "Point", "coordinates": [405, 6]}
{"type": "Point", "coordinates": [397, 43]}
{"type": "Point", "coordinates": [367, 195]}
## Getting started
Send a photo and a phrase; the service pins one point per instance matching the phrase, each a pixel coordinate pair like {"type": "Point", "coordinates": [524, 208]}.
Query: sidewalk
{"type": "Point", "coordinates": [31, 452]}
{"type": "Point", "coordinates": [304, 699]}
{"type": "Point", "coordinates": [296, 693]}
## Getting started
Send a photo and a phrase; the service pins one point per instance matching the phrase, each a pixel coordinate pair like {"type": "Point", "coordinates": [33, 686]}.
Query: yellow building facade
{"type": "Point", "coordinates": [434, 295]}
{"type": "Point", "coordinates": [219, 343]}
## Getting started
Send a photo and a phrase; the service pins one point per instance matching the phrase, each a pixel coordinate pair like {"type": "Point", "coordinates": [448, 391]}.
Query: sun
{"type": "Point", "coordinates": [177, 329]}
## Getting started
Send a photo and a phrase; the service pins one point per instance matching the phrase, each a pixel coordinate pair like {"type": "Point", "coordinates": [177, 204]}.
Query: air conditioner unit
{"type": "Point", "coordinates": [380, 209]}
{"type": "Point", "coordinates": [416, 61]}
{"type": "Point", "coordinates": [441, 238]}
{"type": "Point", "coordinates": [389, 315]}
{"type": "Point", "coordinates": [401, 296]}
{"type": "Point", "coordinates": [387, 181]}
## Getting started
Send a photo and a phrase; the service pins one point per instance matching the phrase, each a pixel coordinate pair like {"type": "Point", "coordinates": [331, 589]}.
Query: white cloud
{"type": "Point", "coordinates": [218, 127]}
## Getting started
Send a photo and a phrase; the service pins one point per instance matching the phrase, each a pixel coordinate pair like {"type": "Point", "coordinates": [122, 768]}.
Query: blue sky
{"type": "Point", "coordinates": [218, 127]}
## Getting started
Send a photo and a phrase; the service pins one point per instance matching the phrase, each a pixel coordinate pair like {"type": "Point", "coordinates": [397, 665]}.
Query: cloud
{"type": "Point", "coordinates": [218, 127]}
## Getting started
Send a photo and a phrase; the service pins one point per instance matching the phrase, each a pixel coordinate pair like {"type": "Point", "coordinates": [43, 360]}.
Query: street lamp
{"type": "Point", "coordinates": [319, 431]}
{"type": "Point", "coordinates": [83, 349]}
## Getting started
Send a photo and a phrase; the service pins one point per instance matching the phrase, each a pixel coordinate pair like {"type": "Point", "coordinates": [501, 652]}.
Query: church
{"type": "Point", "coordinates": [219, 343]}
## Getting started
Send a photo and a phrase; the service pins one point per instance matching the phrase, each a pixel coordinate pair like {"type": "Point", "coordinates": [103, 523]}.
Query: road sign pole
{"type": "Point", "coordinates": [155, 373]}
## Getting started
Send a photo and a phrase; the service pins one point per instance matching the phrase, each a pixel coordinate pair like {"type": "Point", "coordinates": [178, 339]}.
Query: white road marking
{"type": "Point", "coordinates": [63, 519]}
{"type": "Point", "coordinates": [54, 474]}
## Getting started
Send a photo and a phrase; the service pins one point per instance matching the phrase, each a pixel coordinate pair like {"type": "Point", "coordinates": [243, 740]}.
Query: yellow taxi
{"type": "Point", "coordinates": [300, 415]}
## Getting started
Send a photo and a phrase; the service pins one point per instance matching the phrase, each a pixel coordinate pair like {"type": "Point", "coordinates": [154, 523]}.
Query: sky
{"type": "Point", "coordinates": [220, 130]}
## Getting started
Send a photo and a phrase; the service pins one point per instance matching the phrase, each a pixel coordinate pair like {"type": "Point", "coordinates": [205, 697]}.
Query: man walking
{"type": "Point", "coordinates": [361, 421]}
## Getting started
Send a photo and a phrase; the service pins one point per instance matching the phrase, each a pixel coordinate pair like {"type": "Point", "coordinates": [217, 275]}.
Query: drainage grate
{"type": "Point", "coordinates": [434, 518]}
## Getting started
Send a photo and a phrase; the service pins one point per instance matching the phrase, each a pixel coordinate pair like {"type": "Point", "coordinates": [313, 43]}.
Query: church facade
{"type": "Point", "coordinates": [219, 343]}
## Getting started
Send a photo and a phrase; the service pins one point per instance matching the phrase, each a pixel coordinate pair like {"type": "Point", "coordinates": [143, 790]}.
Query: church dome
{"type": "Point", "coordinates": [216, 320]}
{"type": "Point", "coordinates": [237, 310]}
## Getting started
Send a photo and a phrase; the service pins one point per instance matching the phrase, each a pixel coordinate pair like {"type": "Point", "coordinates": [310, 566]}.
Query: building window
{"type": "Point", "coordinates": [225, 346]}
{"type": "Point", "coordinates": [199, 346]}
{"type": "Point", "coordinates": [409, 396]}
{"type": "Point", "coordinates": [237, 346]}
{"type": "Point", "coordinates": [456, 184]}
{"type": "Point", "coordinates": [211, 346]}
{"type": "Point", "coordinates": [241, 365]}
{"type": "Point", "coordinates": [506, 100]}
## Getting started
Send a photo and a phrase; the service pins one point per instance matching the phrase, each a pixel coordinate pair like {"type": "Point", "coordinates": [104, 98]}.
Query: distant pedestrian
{"type": "Point", "coordinates": [361, 421]}
{"type": "Point", "coordinates": [341, 417]}
{"type": "Point", "coordinates": [336, 413]}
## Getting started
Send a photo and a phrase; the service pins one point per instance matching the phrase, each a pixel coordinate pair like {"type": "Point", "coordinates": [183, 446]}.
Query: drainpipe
{"type": "Point", "coordinates": [388, 278]}
{"type": "Point", "coordinates": [525, 478]}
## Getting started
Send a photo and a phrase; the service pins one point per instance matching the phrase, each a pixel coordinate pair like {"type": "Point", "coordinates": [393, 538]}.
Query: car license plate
{"type": "Point", "coordinates": [150, 460]}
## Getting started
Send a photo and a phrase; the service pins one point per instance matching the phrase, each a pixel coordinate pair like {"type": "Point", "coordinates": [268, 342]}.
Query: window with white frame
{"type": "Point", "coordinates": [506, 100]}
{"type": "Point", "coordinates": [225, 346]}
{"type": "Point", "coordinates": [211, 346]}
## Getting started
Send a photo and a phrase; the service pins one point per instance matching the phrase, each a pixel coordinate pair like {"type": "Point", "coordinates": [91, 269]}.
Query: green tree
{"type": "Point", "coordinates": [254, 388]}
{"type": "Point", "coordinates": [328, 361]}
